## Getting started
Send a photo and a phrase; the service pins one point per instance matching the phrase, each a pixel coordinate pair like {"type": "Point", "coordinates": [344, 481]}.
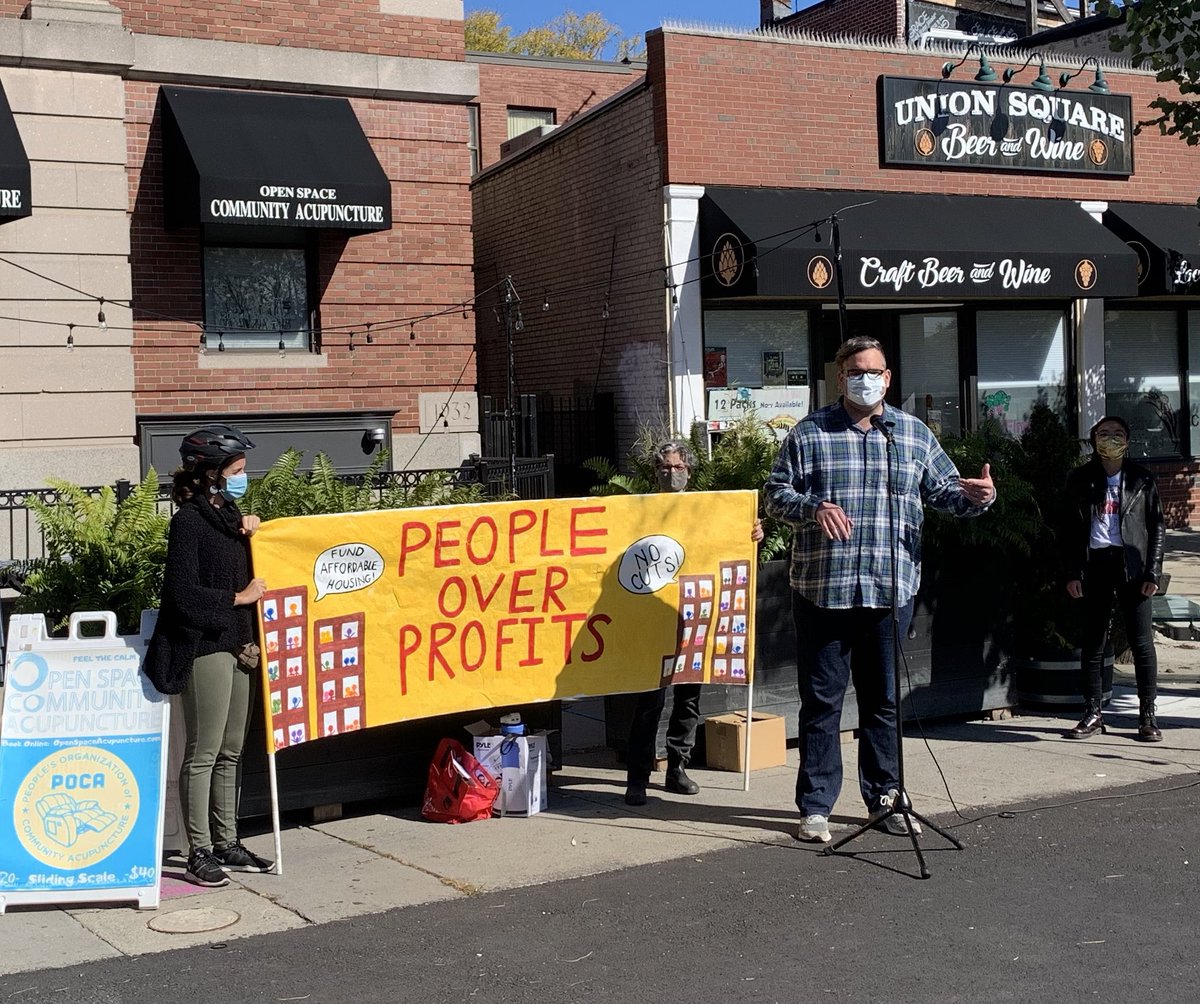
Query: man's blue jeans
{"type": "Point", "coordinates": [833, 646]}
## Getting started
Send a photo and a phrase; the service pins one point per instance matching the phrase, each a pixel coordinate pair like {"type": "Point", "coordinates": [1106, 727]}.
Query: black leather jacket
{"type": "Point", "coordinates": [1142, 529]}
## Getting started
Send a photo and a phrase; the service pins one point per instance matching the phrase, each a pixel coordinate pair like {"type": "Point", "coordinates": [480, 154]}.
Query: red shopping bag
{"type": "Point", "coordinates": [460, 788]}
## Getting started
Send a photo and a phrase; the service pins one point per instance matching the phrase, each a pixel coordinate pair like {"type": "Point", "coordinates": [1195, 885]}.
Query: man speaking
{"type": "Point", "coordinates": [830, 483]}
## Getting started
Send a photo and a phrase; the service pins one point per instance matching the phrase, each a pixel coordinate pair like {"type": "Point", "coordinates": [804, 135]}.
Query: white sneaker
{"type": "Point", "coordinates": [814, 829]}
{"type": "Point", "coordinates": [897, 823]}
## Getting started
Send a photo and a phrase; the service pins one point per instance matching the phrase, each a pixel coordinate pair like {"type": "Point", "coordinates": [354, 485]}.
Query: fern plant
{"type": "Point", "coordinates": [741, 459]}
{"type": "Point", "coordinates": [101, 554]}
{"type": "Point", "coordinates": [287, 491]}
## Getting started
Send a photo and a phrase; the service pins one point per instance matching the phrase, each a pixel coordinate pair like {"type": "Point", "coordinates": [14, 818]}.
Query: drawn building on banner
{"type": "Point", "coordinates": [289, 675]}
{"type": "Point", "coordinates": [731, 634]}
{"type": "Point", "coordinates": [713, 627]}
{"type": "Point", "coordinates": [341, 693]}
{"type": "Point", "coordinates": [695, 623]}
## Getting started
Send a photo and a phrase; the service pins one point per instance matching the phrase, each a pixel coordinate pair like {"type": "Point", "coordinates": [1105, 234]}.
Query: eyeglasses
{"type": "Point", "coordinates": [859, 373]}
{"type": "Point", "coordinates": [672, 467]}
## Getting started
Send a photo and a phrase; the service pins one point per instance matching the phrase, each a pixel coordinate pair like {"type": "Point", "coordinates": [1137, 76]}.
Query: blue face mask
{"type": "Point", "coordinates": [235, 486]}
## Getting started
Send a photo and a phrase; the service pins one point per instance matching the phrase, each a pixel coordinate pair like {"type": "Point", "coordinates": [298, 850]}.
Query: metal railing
{"type": "Point", "coordinates": [21, 537]}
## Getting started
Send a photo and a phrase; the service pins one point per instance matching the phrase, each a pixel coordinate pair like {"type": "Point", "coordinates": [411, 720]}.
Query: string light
{"type": "Point", "coordinates": [100, 319]}
{"type": "Point", "coordinates": [604, 311]}
{"type": "Point", "coordinates": [203, 341]}
{"type": "Point", "coordinates": [350, 344]}
{"type": "Point", "coordinates": [282, 347]}
{"type": "Point", "coordinates": [465, 312]}
{"type": "Point", "coordinates": [518, 321]}
{"type": "Point", "coordinates": [545, 302]}
{"type": "Point", "coordinates": [70, 337]}
{"type": "Point", "coordinates": [220, 341]}
{"type": "Point", "coordinates": [370, 337]}
{"type": "Point", "coordinates": [412, 331]}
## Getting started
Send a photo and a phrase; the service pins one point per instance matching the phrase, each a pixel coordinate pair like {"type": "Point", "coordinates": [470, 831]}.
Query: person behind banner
{"type": "Point", "coordinates": [673, 463]}
{"type": "Point", "coordinates": [830, 482]}
{"type": "Point", "coordinates": [1113, 552]}
{"type": "Point", "coordinates": [205, 633]}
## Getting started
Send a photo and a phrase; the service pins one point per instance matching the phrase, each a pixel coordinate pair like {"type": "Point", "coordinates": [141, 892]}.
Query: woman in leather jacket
{"type": "Point", "coordinates": [1113, 551]}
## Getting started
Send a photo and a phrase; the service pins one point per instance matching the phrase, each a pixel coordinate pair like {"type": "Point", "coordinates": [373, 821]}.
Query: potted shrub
{"type": "Point", "coordinates": [1018, 544]}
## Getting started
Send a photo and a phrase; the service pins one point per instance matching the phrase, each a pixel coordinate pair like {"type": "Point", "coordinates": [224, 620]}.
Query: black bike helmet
{"type": "Point", "coordinates": [213, 445]}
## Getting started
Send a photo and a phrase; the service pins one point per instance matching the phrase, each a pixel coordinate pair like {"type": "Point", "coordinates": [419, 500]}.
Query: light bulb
{"type": "Point", "coordinates": [100, 317]}
{"type": "Point", "coordinates": [70, 337]}
{"type": "Point", "coordinates": [203, 343]}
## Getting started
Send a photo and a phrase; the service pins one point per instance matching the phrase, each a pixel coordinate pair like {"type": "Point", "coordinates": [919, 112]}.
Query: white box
{"type": "Point", "coordinates": [519, 764]}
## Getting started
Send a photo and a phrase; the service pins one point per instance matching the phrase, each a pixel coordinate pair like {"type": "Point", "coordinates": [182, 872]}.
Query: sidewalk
{"type": "Point", "coordinates": [370, 863]}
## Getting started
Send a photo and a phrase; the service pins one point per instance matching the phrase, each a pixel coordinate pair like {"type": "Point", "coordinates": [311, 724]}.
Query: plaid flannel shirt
{"type": "Point", "coordinates": [827, 458]}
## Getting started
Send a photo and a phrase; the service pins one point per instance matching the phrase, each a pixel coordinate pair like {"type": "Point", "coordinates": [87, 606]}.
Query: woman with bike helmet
{"type": "Point", "coordinates": [204, 644]}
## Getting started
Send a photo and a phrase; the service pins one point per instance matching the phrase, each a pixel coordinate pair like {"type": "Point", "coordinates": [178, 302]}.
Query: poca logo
{"type": "Point", "coordinates": [650, 563]}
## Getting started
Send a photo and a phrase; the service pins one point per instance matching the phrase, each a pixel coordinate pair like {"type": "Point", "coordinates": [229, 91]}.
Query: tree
{"type": "Point", "coordinates": [485, 33]}
{"type": "Point", "coordinates": [1164, 36]}
{"type": "Point", "coordinates": [568, 36]}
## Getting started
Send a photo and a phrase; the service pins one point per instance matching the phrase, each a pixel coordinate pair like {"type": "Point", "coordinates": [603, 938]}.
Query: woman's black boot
{"type": "Point", "coordinates": [1091, 722]}
{"type": "Point", "coordinates": [1148, 730]}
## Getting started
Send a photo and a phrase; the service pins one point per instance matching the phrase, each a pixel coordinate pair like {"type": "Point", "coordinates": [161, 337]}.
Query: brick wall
{"type": "Point", "coordinates": [864, 18]}
{"type": "Point", "coordinates": [1177, 484]}
{"type": "Point", "coordinates": [570, 91]}
{"type": "Point", "coordinates": [604, 220]}
{"type": "Point", "coordinates": [738, 111]}
{"type": "Point", "coordinates": [347, 26]}
{"type": "Point", "coordinates": [421, 265]}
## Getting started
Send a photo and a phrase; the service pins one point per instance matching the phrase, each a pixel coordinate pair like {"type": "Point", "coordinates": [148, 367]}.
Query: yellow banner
{"type": "Point", "coordinates": [379, 617]}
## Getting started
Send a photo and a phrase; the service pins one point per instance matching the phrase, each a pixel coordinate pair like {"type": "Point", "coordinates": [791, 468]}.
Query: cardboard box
{"type": "Point", "coordinates": [519, 765]}
{"type": "Point", "coordinates": [725, 741]}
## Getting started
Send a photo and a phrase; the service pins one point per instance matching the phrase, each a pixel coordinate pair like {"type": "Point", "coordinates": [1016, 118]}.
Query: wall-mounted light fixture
{"type": "Point", "coordinates": [1041, 82]}
{"type": "Point", "coordinates": [1097, 86]}
{"type": "Point", "coordinates": [372, 439]}
{"type": "Point", "coordinates": [985, 74]}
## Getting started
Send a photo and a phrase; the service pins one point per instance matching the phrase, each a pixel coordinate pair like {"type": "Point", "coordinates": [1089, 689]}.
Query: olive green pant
{"type": "Point", "coordinates": [216, 716]}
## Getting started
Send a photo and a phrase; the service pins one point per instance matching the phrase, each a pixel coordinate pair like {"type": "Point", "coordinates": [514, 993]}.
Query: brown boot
{"type": "Point", "coordinates": [1148, 730]}
{"type": "Point", "coordinates": [1091, 722]}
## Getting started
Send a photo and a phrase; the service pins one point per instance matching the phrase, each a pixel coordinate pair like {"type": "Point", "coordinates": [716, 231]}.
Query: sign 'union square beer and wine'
{"type": "Point", "coordinates": [937, 123]}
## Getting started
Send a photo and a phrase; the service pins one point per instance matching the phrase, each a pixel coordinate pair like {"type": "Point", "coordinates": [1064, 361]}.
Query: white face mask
{"type": "Point", "coordinates": [866, 390]}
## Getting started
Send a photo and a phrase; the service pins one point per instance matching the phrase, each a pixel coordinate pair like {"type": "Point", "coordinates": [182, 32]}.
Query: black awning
{"type": "Point", "coordinates": [14, 167]}
{"type": "Point", "coordinates": [290, 160]}
{"type": "Point", "coordinates": [1166, 240]}
{"type": "Point", "coordinates": [757, 242]}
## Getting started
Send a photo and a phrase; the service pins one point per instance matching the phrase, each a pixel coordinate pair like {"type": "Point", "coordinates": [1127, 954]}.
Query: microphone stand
{"type": "Point", "coordinates": [901, 805]}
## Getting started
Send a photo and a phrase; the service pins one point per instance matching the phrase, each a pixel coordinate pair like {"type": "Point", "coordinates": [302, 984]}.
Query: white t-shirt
{"type": "Point", "coordinates": [1106, 522]}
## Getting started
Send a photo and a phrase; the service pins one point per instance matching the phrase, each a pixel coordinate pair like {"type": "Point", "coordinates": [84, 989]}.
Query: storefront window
{"type": "Point", "coordinates": [929, 371]}
{"type": "Point", "coordinates": [1193, 321]}
{"type": "Point", "coordinates": [757, 360]}
{"type": "Point", "coordinates": [1141, 379]}
{"type": "Point", "coordinates": [1022, 358]}
{"type": "Point", "coordinates": [255, 297]}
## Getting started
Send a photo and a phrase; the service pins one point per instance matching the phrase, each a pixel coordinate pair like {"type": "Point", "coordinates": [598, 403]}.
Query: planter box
{"type": "Point", "coordinates": [1055, 683]}
{"type": "Point", "coordinates": [957, 656]}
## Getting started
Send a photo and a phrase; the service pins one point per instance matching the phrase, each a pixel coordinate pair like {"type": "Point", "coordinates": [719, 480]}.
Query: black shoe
{"type": "Point", "coordinates": [236, 857]}
{"type": "Point", "coordinates": [203, 869]}
{"type": "Point", "coordinates": [1148, 730]}
{"type": "Point", "coordinates": [635, 793]}
{"type": "Point", "coordinates": [679, 782]}
{"type": "Point", "coordinates": [1091, 723]}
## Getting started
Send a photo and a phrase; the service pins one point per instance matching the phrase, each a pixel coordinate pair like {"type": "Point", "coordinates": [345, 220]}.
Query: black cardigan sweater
{"type": "Point", "coordinates": [208, 562]}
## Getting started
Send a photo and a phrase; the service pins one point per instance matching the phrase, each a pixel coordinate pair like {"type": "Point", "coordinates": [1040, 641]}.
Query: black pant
{"type": "Point", "coordinates": [1104, 581]}
{"type": "Point", "coordinates": [681, 729]}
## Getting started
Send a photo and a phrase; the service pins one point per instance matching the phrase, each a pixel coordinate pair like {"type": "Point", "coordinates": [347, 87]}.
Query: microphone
{"type": "Point", "coordinates": [883, 427]}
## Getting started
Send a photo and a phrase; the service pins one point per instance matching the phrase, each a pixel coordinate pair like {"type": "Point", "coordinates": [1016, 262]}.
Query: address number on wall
{"type": "Point", "coordinates": [458, 412]}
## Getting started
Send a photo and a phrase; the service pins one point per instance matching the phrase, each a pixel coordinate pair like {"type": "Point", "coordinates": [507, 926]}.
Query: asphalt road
{"type": "Point", "coordinates": [1095, 901]}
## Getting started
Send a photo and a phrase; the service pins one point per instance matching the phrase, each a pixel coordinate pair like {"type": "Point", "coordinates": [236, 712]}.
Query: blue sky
{"type": "Point", "coordinates": [635, 17]}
